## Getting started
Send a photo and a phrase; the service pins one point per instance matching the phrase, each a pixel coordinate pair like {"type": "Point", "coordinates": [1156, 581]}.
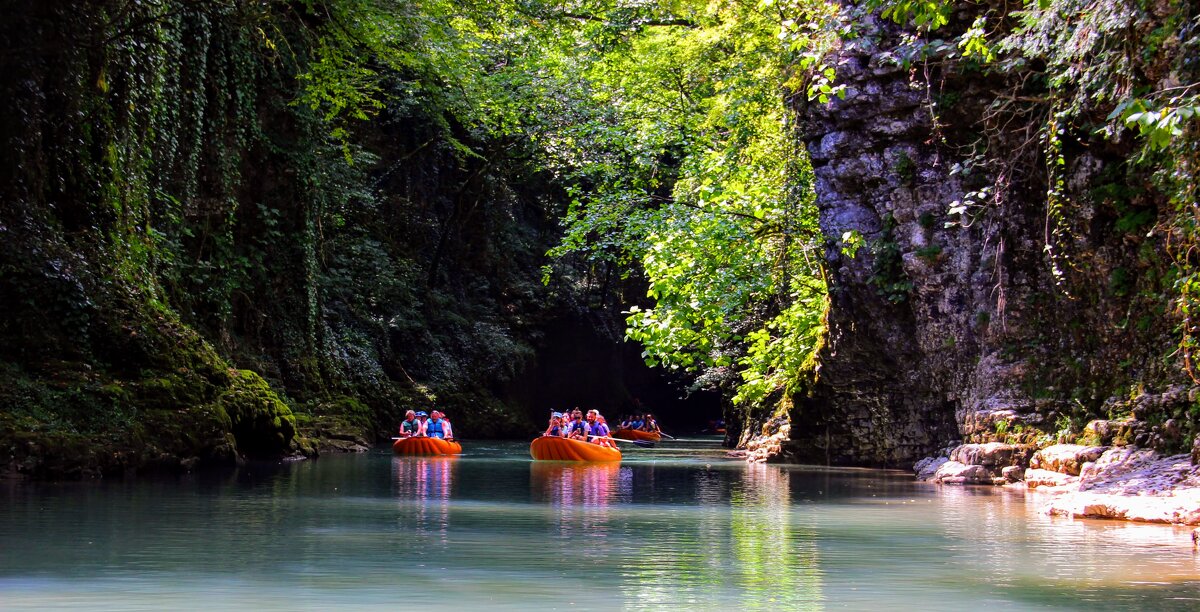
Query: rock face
{"type": "Point", "coordinates": [949, 324]}
{"type": "Point", "coordinates": [1125, 483]}
{"type": "Point", "coordinates": [1065, 458]}
{"type": "Point", "coordinates": [992, 454]}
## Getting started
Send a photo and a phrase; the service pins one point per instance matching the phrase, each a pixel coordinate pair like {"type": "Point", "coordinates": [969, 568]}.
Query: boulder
{"type": "Point", "coordinates": [927, 467]}
{"type": "Point", "coordinates": [992, 454]}
{"type": "Point", "coordinates": [1065, 458]}
{"type": "Point", "coordinates": [1116, 462]}
{"type": "Point", "coordinates": [954, 472]}
{"type": "Point", "coordinates": [1180, 509]}
{"type": "Point", "coordinates": [1012, 473]}
{"type": "Point", "coordinates": [1103, 432]}
{"type": "Point", "coordinates": [1035, 478]}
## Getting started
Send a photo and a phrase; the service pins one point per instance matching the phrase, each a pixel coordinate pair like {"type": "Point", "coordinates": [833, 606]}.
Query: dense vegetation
{"type": "Point", "coordinates": [290, 220]}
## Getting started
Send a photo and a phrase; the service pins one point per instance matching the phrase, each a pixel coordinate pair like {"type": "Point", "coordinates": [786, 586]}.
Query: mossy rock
{"type": "Point", "coordinates": [175, 390]}
{"type": "Point", "coordinates": [262, 424]}
{"type": "Point", "coordinates": [351, 409]}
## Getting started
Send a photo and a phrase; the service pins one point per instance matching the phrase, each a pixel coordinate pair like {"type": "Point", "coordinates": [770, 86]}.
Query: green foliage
{"type": "Point", "coordinates": [922, 14]}
{"type": "Point", "coordinates": [682, 158]}
{"type": "Point", "coordinates": [905, 168]}
{"type": "Point", "coordinates": [852, 241]}
{"type": "Point", "coordinates": [930, 252]}
{"type": "Point", "coordinates": [887, 265]}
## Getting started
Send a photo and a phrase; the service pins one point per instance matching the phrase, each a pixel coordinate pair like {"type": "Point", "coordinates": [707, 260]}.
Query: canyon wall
{"type": "Point", "coordinates": [953, 322]}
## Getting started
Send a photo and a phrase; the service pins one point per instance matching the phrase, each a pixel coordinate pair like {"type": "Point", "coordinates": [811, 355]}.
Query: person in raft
{"type": "Point", "coordinates": [599, 429]}
{"type": "Point", "coordinates": [445, 424]}
{"type": "Point", "coordinates": [636, 422]}
{"type": "Point", "coordinates": [422, 424]}
{"type": "Point", "coordinates": [578, 429]}
{"type": "Point", "coordinates": [555, 429]}
{"type": "Point", "coordinates": [650, 424]}
{"type": "Point", "coordinates": [410, 424]}
{"type": "Point", "coordinates": [436, 427]}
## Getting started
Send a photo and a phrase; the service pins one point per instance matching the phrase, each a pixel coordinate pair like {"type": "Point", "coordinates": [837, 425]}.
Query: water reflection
{"type": "Point", "coordinates": [742, 547]}
{"type": "Point", "coordinates": [581, 495]}
{"type": "Point", "coordinates": [576, 484]}
{"type": "Point", "coordinates": [427, 481]}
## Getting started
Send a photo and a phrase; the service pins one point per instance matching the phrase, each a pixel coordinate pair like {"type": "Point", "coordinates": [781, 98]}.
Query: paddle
{"type": "Point", "coordinates": [664, 434]}
{"type": "Point", "coordinates": [641, 443]}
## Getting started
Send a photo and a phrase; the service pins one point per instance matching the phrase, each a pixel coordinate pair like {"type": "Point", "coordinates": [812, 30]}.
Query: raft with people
{"type": "Point", "coordinates": [637, 434]}
{"type": "Point", "coordinates": [554, 448]}
{"type": "Point", "coordinates": [421, 435]}
{"type": "Point", "coordinates": [426, 446]}
{"type": "Point", "coordinates": [570, 438]}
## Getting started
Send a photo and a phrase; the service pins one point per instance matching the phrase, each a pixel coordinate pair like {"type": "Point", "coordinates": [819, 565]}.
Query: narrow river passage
{"type": "Point", "coordinates": [674, 527]}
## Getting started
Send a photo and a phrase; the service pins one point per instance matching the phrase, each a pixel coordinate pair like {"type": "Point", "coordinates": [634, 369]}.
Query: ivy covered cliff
{"type": "Point", "coordinates": [1017, 185]}
{"type": "Point", "coordinates": [257, 229]}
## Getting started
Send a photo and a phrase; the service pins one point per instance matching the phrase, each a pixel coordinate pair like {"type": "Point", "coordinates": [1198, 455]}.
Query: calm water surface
{"type": "Point", "coordinates": [677, 526]}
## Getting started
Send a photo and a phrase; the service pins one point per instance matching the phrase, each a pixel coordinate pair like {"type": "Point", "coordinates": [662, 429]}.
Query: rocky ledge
{"type": "Point", "coordinates": [1113, 482]}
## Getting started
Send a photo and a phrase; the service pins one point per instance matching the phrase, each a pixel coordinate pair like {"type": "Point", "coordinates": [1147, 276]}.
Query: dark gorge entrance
{"type": "Point", "coordinates": [584, 363]}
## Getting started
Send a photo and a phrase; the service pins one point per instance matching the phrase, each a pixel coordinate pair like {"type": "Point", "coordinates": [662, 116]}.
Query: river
{"type": "Point", "coordinates": [678, 526]}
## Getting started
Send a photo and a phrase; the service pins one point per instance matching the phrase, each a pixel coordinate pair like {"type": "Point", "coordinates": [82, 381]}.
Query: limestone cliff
{"type": "Point", "coordinates": [952, 323]}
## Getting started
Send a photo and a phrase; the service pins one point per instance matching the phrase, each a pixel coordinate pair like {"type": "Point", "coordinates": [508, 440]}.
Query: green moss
{"type": "Point", "coordinates": [930, 253]}
{"type": "Point", "coordinates": [905, 168]}
{"type": "Point", "coordinates": [261, 422]}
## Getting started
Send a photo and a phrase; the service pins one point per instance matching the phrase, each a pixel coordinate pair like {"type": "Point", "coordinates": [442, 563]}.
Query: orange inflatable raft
{"type": "Point", "coordinates": [425, 446]}
{"type": "Point", "coordinates": [637, 434]}
{"type": "Point", "coordinates": [551, 448]}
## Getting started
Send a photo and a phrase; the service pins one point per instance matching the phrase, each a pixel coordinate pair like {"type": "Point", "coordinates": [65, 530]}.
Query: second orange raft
{"type": "Point", "coordinates": [425, 446]}
{"type": "Point", "coordinates": [637, 434]}
{"type": "Point", "coordinates": [552, 448]}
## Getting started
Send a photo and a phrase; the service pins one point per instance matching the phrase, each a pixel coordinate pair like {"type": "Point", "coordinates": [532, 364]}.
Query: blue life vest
{"type": "Point", "coordinates": [600, 430]}
{"type": "Point", "coordinates": [556, 432]}
{"type": "Point", "coordinates": [433, 429]}
{"type": "Point", "coordinates": [580, 425]}
{"type": "Point", "coordinates": [636, 424]}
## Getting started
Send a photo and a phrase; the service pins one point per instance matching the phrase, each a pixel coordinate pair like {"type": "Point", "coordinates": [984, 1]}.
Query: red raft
{"type": "Point", "coordinates": [637, 434]}
{"type": "Point", "coordinates": [425, 446]}
{"type": "Point", "coordinates": [552, 448]}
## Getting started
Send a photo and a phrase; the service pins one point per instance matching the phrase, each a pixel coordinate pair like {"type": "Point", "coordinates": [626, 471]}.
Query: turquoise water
{"type": "Point", "coordinates": [678, 526]}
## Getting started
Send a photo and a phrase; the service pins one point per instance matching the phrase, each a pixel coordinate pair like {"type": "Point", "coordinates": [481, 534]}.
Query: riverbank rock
{"type": "Point", "coordinates": [927, 467]}
{"type": "Point", "coordinates": [1012, 473]}
{"type": "Point", "coordinates": [1111, 432]}
{"type": "Point", "coordinates": [1035, 478]}
{"type": "Point", "coordinates": [1129, 484]}
{"type": "Point", "coordinates": [1117, 464]}
{"type": "Point", "coordinates": [954, 472]}
{"type": "Point", "coordinates": [992, 454]}
{"type": "Point", "coordinates": [1065, 458]}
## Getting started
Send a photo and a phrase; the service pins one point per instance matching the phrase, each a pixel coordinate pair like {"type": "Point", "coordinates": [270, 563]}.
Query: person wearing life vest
{"type": "Point", "coordinates": [599, 430]}
{"type": "Point", "coordinates": [409, 426]}
{"type": "Point", "coordinates": [446, 426]}
{"type": "Point", "coordinates": [578, 430]}
{"type": "Point", "coordinates": [422, 424]}
{"type": "Point", "coordinates": [436, 428]}
{"type": "Point", "coordinates": [555, 430]}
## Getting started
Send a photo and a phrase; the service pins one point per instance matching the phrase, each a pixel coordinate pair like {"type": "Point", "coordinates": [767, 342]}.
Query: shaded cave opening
{"type": "Point", "coordinates": [579, 364]}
